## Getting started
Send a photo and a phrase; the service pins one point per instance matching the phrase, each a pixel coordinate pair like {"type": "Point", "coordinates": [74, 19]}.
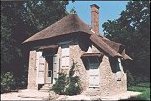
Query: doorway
{"type": "Point", "coordinates": [52, 69]}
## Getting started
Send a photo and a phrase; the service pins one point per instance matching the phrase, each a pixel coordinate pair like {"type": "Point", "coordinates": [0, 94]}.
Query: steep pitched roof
{"type": "Point", "coordinates": [68, 24]}
{"type": "Point", "coordinates": [112, 48]}
{"type": "Point", "coordinates": [72, 23]}
{"type": "Point", "coordinates": [104, 46]}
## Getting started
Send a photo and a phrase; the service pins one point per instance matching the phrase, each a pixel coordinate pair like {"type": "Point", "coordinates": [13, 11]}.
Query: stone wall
{"type": "Point", "coordinates": [32, 72]}
{"type": "Point", "coordinates": [108, 81]}
{"type": "Point", "coordinates": [109, 85]}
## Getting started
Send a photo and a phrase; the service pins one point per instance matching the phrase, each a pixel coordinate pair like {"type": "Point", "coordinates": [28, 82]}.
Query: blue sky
{"type": "Point", "coordinates": [109, 10]}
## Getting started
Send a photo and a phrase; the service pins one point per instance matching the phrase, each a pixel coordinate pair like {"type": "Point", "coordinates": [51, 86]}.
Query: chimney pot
{"type": "Point", "coordinates": [94, 5]}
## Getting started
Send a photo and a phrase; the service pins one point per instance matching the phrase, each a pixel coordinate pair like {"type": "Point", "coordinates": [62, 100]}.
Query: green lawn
{"type": "Point", "coordinates": [141, 87]}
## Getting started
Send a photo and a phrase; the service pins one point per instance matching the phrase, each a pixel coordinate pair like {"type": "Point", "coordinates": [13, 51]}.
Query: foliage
{"type": "Point", "coordinates": [60, 84]}
{"type": "Point", "coordinates": [7, 82]}
{"type": "Point", "coordinates": [20, 20]}
{"type": "Point", "coordinates": [73, 11]}
{"type": "Point", "coordinates": [144, 88]}
{"type": "Point", "coordinates": [141, 78]}
{"type": "Point", "coordinates": [21, 81]}
{"type": "Point", "coordinates": [133, 80]}
{"type": "Point", "coordinates": [132, 30]}
{"type": "Point", "coordinates": [130, 79]}
{"type": "Point", "coordinates": [69, 85]}
{"type": "Point", "coordinates": [73, 87]}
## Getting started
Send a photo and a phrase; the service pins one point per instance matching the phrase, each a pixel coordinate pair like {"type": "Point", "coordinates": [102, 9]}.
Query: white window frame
{"type": "Point", "coordinates": [120, 65]}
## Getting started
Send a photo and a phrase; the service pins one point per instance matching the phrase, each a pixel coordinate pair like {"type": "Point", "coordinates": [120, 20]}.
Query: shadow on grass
{"type": "Point", "coordinates": [136, 99]}
{"type": "Point", "coordinates": [144, 88]}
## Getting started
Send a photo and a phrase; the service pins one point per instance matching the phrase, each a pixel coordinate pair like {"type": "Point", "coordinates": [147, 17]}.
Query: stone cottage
{"type": "Point", "coordinates": [54, 49]}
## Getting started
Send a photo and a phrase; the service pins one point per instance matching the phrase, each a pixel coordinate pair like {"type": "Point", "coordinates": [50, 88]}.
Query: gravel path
{"type": "Point", "coordinates": [25, 95]}
{"type": "Point", "coordinates": [36, 95]}
{"type": "Point", "coordinates": [10, 96]}
{"type": "Point", "coordinates": [122, 96]}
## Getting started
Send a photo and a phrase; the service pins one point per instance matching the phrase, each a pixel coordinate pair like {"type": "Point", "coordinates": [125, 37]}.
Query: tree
{"type": "Point", "coordinates": [20, 20]}
{"type": "Point", "coordinates": [132, 30]}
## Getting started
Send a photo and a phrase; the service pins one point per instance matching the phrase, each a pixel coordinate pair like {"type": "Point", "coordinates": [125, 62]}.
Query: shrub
{"type": "Point", "coordinates": [73, 88]}
{"type": "Point", "coordinates": [134, 78]}
{"type": "Point", "coordinates": [60, 84]}
{"type": "Point", "coordinates": [67, 85]}
{"type": "Point", "coordinates": [7, 82]}
{"type": "Point", "coordinates": [130, 79]}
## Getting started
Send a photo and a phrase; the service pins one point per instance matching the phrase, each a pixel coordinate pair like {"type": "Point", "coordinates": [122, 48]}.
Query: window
{"type": "Point", "coordinates": [65, 56]}
{"type": "Point", "coordinates": [92, 60]}
{"type": "Point", "coordinates": [117, 68]}
{"type": "Point", "coordinates": [114, 65]}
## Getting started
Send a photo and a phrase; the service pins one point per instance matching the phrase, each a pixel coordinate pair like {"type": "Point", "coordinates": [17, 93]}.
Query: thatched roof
{"type": "Point", "coordinates": [112, 48]}
{"type": "Point", "coordinates": [71, 24]}
{"type": "Point", "coordinates": [112, 44]}
{"type": "Point", "coordinates": [104, 46]}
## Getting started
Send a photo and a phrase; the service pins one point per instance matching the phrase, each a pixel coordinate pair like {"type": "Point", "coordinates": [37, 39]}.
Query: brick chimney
{"type": "Point", "coordinates": [95, 18]}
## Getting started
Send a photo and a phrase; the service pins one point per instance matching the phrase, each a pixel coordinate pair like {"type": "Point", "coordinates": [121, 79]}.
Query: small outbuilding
{"type": "Point", "coordinates": [54, 49]}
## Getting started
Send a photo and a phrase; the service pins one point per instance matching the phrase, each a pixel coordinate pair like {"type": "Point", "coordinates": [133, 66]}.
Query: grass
{"type": "Point", "coordinates": [141, 87]}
